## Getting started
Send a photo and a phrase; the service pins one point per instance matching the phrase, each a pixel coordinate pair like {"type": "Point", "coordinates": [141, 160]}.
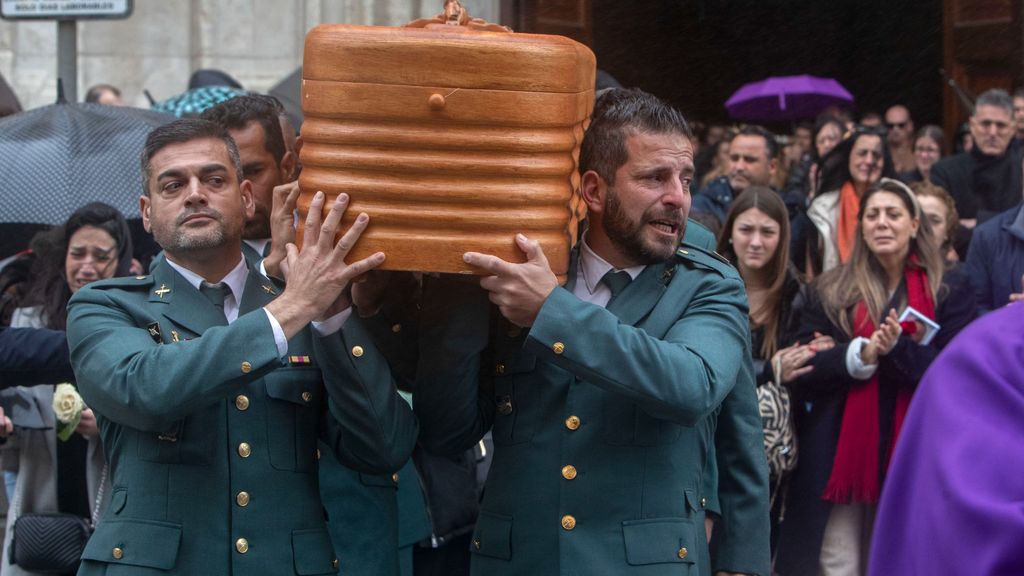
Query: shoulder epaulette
{"type": "Point", "coordinates": [129, 282]}
{"type": "Point", "coordinates": [709, 259]}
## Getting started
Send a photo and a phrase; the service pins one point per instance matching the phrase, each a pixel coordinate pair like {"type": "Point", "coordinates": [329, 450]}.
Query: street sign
{"type": "Point", "coordinates": [65, 9]}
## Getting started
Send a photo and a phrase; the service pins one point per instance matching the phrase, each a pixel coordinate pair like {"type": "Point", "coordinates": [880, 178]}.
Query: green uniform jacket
{"type": "Point", "coordinates": [600, 418]}
{"type": "Point", "coordinates": [212, 437]}
{"type": "Point", "coordinates": [736, 477]}
{"type": "Point", "coordinates": [375, 519]}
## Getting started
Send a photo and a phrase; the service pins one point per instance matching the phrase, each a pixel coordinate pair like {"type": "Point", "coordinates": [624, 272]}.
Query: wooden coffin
{"type": "Point", "coordinates": [452, 138]}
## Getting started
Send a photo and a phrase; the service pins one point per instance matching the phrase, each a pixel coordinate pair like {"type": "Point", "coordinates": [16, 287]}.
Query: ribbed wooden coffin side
{"type": "Point", "coordinates": [443, 169]}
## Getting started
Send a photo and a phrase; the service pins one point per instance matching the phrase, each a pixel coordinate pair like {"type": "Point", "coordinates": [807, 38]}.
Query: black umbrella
{"type": "Point", "coordinates": [8, 100]}
{"type": "Point", "coordinates": [57, 158]}
{"type": "Point", "coordinates": [289, 92]}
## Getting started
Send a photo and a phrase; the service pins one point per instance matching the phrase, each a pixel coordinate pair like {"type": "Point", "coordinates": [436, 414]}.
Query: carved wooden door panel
{"type": "Point", "coordinates": [563, 17]}
{"type": "Point", "coordinates": [982, 50]}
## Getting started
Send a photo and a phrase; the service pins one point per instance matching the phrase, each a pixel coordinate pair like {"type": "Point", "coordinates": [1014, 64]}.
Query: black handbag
{"type": "Point", "coordinates": [53, 543]}
{"type": "Point", "coordinates": [49, 543]}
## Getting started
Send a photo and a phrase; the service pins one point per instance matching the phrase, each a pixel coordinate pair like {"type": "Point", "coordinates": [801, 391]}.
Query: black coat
{"type": "Point", "coordinates": [31, 356]}
{"type": "Point", "coordinates": [819, 398]}
{"type": "Point", "coordinates": [982, 186]}
{"type": "Point", "coordinates": [794, 295]}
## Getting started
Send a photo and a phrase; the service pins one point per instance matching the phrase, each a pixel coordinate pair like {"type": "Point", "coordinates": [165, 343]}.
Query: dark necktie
{"type": "Point", "coordinates": [266, 249]}
{"type": "Point", "coordinates": [215, 293]}
{"type": "Point", "coordinates": [616, 281]}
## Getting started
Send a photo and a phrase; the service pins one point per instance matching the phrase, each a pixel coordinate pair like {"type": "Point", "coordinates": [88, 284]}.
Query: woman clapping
{"type": "Point", "coordinates": [851, 406]}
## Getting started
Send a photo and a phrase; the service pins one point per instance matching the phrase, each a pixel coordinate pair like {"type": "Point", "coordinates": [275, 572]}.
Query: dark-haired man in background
{"type": "Point", "coordinates": [753, 159]}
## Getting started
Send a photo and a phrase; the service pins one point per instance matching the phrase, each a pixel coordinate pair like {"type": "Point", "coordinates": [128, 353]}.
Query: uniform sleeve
{"type": "Point", "coordinates": [132, 380]}
{"type": "Point", "coordinates": [450, 400]}
{"type": "Point", "coordinates": [373, 429]}
{"type": "Point", "coordinates": [681, 377]}
{"type": "Point", "coordinates": [741, 540]}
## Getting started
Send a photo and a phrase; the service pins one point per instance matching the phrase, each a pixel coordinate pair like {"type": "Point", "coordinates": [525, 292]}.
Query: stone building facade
{"type": "Point", "coordinates": [258, 42]}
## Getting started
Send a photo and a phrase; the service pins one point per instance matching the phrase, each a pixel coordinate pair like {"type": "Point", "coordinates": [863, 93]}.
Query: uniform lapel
{"type": "Point", "coordinates": [180, 302]}
{"type": "Point", "coordinates": [252, 257]}
{"type": "Point", "coordinates": [640, 296]}
{"type": "Point", "coordinates": [259, 291]}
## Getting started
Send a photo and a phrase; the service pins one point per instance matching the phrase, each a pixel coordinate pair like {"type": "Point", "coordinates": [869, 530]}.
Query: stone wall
{"type": "Point", "coordinates": [258, 42]}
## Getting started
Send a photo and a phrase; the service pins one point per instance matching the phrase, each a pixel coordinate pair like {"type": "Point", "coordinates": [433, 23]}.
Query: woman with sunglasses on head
{"type": "Point", "coordinates": [57, 475]}
{"type": "Point", "coordinates": [851, 406]}
{"type": "Point", "coordinates": [856, 163]}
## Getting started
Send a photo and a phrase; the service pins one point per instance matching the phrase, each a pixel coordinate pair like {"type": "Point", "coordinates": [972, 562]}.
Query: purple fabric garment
{"type": "Point", "coordinates": [953, 502]}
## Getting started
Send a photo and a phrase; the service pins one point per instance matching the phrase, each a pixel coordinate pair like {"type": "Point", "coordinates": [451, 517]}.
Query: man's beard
{"type": "Point", "coordinates": [628, 236]}
{"type": "Point", "coordinates": [258, 227]}
{"type": "Point", "coordinates": [182, 241]}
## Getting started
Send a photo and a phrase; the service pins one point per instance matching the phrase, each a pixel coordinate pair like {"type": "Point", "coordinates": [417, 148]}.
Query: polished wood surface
{"type": "Point", "coordinates": [452, 138]}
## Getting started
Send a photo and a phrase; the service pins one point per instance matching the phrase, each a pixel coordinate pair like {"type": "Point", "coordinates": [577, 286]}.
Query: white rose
{"type": "Point", "coordinates": [67, 404]}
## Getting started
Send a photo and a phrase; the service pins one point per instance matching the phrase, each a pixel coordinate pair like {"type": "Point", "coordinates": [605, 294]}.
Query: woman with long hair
{"type": "Point", "coordinates": [890, 310]}
{"type": "Point", "coordinates": [755, 238]}
{"type": "Point", "coordinates": [940, 209]}
{"type": "Point", "coordinates": [855, 164]}
{"type": "Point", "coordinates": [928, 149]}
{"type": "Point", "coordinates": [803, 178]}
{"type": "Point", "coordinates": [64, 475]}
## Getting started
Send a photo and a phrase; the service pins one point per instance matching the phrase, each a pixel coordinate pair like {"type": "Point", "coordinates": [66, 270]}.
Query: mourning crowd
{"type": "Point", "coordinates": [755, 366]}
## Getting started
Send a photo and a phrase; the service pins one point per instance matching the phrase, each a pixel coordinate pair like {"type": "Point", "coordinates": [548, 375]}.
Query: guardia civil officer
{"type": "Point", "coordinates": [599, 392]}
{"type": "Point", "coordinates": [211, 388]}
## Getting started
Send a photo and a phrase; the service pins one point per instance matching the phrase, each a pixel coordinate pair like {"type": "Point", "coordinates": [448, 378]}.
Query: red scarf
{"type": "Point", "coordinates": [855, 469]}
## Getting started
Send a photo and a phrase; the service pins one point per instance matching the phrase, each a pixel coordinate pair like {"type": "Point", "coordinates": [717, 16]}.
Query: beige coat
{"type": "Point", "coordinates": [824, 213]}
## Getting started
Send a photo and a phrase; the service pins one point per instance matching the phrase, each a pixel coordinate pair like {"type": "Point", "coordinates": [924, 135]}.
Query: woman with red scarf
{"type": "Point", "coordinates": [850, 408]}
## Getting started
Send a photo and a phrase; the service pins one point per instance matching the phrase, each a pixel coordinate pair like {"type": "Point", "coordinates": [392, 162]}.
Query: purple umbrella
{"type": "Point", "coordinates": [786, 98]}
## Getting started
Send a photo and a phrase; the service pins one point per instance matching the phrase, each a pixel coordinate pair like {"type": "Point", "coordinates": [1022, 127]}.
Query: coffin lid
{"type": "Point", "coordinates": [455, 56]}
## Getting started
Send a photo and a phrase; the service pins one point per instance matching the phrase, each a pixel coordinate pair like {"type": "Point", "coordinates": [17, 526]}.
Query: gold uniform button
{"type": "Point", "coordinates": [317, 453]}
{"type": "Point", "coordinates": [357, 351]}
{"type": "Point", "coordinates": [307, 396]}
{"type": "Point", "coordinates": [334, 564]}
{"type": "Point", "coordinates": [396, 328]}
{"type": "Point", "coordinates": [244, 450]}
{"type": "Point", "coordinates": [572, 422]}
{"type": "Point", "coordinates": [499, 369]}
{"type": "Point", "coordinates": [242, 402]}
{"type": "Point", "coordinates": [476, 543]}
{"type": "Point", "coordinates": [246, 367]}
{"type": "Point", "coordinates": [242, 499]}
{"type": "Point", "coordinates": [558, 347]}
{"type": "Point", "coordinates": [703, 502]}
{"type": "Point", "coordinates": [242, 545]}
{"type": "Point", "coordinates": [568, 522]}
{"type": "Point", "coordinates": [569, 472]}
{"type": "Point", "coordinates": [394, 477]}
{"type": "Point", "coordinates": [683, 552]}
{"type": "Point", "coordinates": [117, 553]}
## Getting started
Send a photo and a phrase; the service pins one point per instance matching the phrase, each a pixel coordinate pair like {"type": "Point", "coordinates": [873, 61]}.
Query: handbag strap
{"type": "Point", "coordinates": [99, 495]}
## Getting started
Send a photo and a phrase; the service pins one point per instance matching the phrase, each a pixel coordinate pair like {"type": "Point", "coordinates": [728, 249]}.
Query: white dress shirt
{"type": "Point", "coordinates": [235, 280]}
{"type": "Point", "coordinates": [590, 269]}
